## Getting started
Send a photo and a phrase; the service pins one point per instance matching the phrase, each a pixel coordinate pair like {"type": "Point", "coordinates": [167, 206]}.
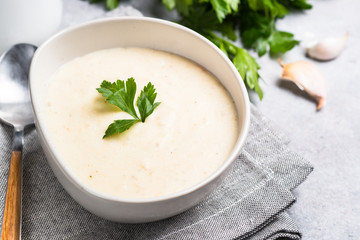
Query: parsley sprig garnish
{"type": "Point", "coordinates": [122, 95]}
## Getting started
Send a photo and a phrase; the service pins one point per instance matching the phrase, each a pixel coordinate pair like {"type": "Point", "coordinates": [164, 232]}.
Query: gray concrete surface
{"type": "Point", "coordinates": [328, 203]}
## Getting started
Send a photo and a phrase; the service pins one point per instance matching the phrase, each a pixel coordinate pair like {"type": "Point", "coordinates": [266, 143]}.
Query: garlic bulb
{"type": "Point", "coordinates": [308, 78]}
{"type": "Point", "coordinates": [327, 49]}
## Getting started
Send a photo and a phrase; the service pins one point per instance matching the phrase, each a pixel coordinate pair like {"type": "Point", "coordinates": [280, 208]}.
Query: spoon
{"type": "Point", "coordinates": [15, 111]}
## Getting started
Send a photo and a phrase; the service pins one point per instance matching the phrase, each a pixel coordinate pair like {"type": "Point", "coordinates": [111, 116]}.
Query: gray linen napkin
{"type": "Point", "coordinates": [250, 204]}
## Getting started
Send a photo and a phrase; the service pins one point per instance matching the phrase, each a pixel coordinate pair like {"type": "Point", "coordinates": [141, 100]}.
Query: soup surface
{"type": "Point", "coordinates": [187, 137]}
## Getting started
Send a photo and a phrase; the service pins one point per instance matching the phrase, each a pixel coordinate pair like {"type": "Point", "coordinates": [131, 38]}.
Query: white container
{"type": "Point", "coordinates": [28, 21]}
{"type": "Point", "coordinates": [134, 32]}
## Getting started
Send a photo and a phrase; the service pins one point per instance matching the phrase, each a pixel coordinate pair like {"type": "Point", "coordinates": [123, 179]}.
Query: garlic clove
{"type": "Point", "coordinates": [307, 77]}
{"type": "Point", "coordinates": [326, 49]}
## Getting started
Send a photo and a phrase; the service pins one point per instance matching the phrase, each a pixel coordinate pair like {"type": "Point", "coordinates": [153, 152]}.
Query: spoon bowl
{"type": "Point", "coordinates": [15, 105]}
{"type": "Point", "coordinates": [15, 111]}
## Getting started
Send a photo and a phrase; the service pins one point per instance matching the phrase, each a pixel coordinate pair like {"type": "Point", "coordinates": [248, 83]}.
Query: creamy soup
{"type": "Point", "coordinates": [187, 137]}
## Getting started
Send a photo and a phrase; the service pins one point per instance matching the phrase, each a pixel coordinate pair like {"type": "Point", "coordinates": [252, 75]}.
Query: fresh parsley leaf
{"type": "Point", "coordinates": [145, 101]}
{"type": "Point", "coordinates": [183, 6]}
{"type": "Point", "coordinates": [281, 42]}
{"type": "Point", "coordinates": [223, 48]}
{"type": "Point", "coordinates": [169, 4]}
{"type": "Point", "coordinates": [260, 33]}
{"type": "Point", "coordinates": [112, 4]}
{"type": "Point", "coordinates": [261, 46]}
{"type": "Point", "coordinates": [248, 69]}
{"type": "Point", "coordinates": [108, 88]}
{"type": "Point", "coordinates": [297, 4]}
{"type": "Point", "coordinates": [242, 60]}
{"type": "Point", "coordinates": [122, 95]}
{"type": "Point", "coordinates": [270, 8]}
{"type": "Point", "coordinates": [234, 5]}
{"type": "Point", "coordinates": [227, 30]}
{"type": "Point", "coordinates": [200, 19]}
{"type": "Point", "coordinates": [119, 126]}
{"type": "Point", "coordinates": [222, 8]}
{"type": "Point", "coordinates": [253, 26]}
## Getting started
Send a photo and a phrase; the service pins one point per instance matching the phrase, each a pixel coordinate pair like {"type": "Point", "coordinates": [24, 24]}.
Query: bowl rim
{"type": "Point", "coordinates": [74, 179]}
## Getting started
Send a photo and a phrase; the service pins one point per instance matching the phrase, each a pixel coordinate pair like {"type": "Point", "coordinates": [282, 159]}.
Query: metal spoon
{"type": "Point", "coordinates": [15, 111]}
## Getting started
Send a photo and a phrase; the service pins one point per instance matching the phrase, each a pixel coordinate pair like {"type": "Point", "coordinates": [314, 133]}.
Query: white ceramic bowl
{"type": "Point", "coordinates": [134, 32]}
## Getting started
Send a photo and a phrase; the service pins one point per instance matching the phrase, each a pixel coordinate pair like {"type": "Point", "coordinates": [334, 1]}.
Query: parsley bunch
{"type": "Point", "coordinates": [122, 95]}
{"type": "Point", "coordinates": [223, 22]}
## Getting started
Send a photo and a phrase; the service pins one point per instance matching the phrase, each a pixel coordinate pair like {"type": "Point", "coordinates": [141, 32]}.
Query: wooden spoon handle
{"type": "Point", "coordinates": [11, 222]}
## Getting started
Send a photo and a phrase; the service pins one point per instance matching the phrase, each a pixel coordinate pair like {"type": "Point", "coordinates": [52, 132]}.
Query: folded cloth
{"type": "Point", "coordinates": [250, 203]}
